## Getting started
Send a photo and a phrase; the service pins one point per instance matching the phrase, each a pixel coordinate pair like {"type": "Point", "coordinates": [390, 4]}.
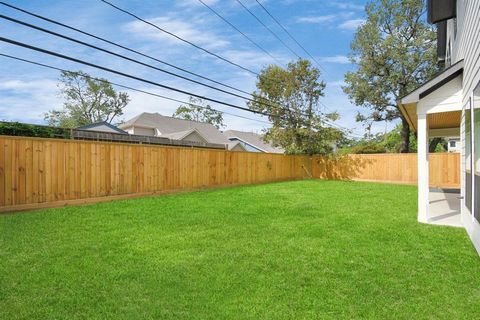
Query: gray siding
{"type": "Point", "coordinates": [466, 44]}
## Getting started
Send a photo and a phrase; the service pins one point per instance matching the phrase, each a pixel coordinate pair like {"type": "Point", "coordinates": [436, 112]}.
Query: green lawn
{"type": "Point", "coordinates": [305, 249]}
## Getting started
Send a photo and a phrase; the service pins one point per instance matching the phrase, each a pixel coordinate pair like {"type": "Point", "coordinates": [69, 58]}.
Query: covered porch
{"type": "Point", "coordinates": [435, 110]}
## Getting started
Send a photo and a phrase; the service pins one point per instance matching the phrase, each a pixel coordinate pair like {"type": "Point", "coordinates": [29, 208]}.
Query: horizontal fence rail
{"type": "Point", "coordinates": [38, 172]}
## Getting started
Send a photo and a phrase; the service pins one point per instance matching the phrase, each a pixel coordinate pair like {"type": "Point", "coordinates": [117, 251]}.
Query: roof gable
{"type": "Point", "coordinates": [98, 125]}
{"type": "Point", "coordinates": [252, 139]}
{"type": "Point", "coordinates": [168, 126]}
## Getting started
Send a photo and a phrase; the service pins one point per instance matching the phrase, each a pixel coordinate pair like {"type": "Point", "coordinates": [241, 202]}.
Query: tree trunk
{"type": "Point", "coordinates": [433, 144]}
{"type": "Point", "coordinates": [405, 134]}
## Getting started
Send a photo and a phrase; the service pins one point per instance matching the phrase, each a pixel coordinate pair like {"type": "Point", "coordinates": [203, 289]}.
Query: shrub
{"type": "Point", "coordinates": [32, 130]}
{"type": "Point", "coordinates": [369, 148]}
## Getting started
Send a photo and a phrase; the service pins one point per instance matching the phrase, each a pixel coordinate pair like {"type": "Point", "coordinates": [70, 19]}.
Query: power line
{"type": "Point", "coordinates": [140, 90]}
{"type": "Point", "coordinates": [104, 50]}
{"type": "Point", "coordinates": [124, 75]}
{"type": "Point", "coordinates": [197, 46]}
{"type": "Point", "coordinates": [78, 61]}
{"type": "Point", "coordinates": [128, 87]}
{"type": "Point", "coordinates": [180, 38]}
{"type": "Point", "coordinates": [123, 57]}
{"type": "Point", "coordinates": [58, 55]}
{"type": "Point", "coordinates": [269, 30]}
{"type": "Point", "coordinates": [132, 88]}
{"type": "Point", "coordinates": [238, 30]}
{"type": "Point", "coordinates": [293, 38]}
{"type": "Point", "coordinates": [120, 46]}
{"type": "Point", "coordinates": [289, 34]}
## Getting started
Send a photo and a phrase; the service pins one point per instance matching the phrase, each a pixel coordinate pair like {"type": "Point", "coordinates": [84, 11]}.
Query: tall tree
{"type": "Point", "coordinates": [394, 51]}
{"type": "Point", "coordinates": [87, 101]}
{"type": "Point", "coordinates": [199, 110]}
{"type": "Point", "coordinates": [291, 97]}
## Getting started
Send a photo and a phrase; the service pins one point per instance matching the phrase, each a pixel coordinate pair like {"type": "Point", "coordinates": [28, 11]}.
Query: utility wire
{"type": "Point", "coordinates": [125, 75]}
{"type": "Point", "coordinates": [269, 30]}
{"type": "Point", "coordinates": [128, 87]}
{"type": "Point", "coordinates": [126, 48]}
{"type": "Point", "coordinates": [121, 56]}
{"type": "Point", "coordinates": [125, 57]}
{"type": "Point", "coordinates": [239, 31]}
{"type": "Point", "coordinates": [197, 46]}
{"type": "Point", "coordinates": [120, 46]}
{"type": "Point", "coordinates": [58, 55]}
{"type": "Point", "coordinates": [294, 39]}
{"type": "Point", "coordinates": [289, 34]}
{"type": "Point", "coordinates": [135, 89]}
{"type": "Point", "coordinates": [180, 38]}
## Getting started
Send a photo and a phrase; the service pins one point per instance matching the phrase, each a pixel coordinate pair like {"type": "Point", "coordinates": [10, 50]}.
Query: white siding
{"type": "Point", "coordinates": [466, 45]}
{"type": "Point", "coordinates": [144, 131]}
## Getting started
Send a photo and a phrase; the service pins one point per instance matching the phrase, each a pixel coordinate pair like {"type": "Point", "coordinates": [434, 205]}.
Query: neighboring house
{"type": "Point", "coordinates": [252, 142]}
{"type": "Point", "coordinates": [102, 127]}
{"type": "Point", "coordinates": [154, 124]}
{"type": "Point", "coordinates": [449, 105]}
{"type": "Point", "coordinates": [454, 144]}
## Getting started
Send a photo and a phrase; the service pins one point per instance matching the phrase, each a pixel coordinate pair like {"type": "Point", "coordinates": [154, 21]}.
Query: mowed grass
{"type": "Point", "coordinates": [293, 250]}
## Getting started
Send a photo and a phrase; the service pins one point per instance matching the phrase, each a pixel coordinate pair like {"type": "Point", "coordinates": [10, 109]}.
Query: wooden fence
{"type": "Point", "coordinates": [37, 172]}
{"type": "Point", "coordinates": [391, 168]}
{"type": "Point", "coordinates": [55, 172]}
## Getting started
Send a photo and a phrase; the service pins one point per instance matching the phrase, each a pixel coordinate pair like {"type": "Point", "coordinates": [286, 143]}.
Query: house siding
{"type": "Point", "coordinates": [466, 45]}
{"type": "Point", "coordinates": [194, 136]}
{"type": "Point", "coordinates": [248, 147]}
{"type": "Point", "coordinates": [143, 131]}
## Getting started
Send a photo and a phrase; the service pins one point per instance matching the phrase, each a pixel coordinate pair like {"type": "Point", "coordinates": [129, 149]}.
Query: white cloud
{"type": "Point", "coordinates": [335, 59]}
{"type": "Point", "coordinates": [351, 25]}
{"type": "Point", "coordinates": [253, 59]}
{"type": "Point", "coordinates": [187, 30]}
{"type": "Point", "coordinates": [316, 19]}
{"type": "Point", "coordinates": [28, 100]}
{"type": "Point", "coordinates": [346, 5]}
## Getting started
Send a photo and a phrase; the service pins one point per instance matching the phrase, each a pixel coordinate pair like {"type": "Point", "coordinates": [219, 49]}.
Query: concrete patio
{"type": "Point", "coordinates": [444, 207]}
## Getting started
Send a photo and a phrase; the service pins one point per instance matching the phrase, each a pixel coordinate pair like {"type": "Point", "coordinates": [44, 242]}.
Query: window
{"type": "Point", "coordinates": [468, 155]}
{"type": "Point", "coordinates": [476, 152]}
{"type": "Point", "coordinates": [453, 144]}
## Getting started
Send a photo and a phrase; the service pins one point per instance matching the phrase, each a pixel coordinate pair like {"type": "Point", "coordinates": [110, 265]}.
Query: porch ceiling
{"type": "Point", "coordinates": [444, 120]}
{"type": "Point", "coordinates": [441, 120]}
{"type": "Point", "coordinates": [440, 98]}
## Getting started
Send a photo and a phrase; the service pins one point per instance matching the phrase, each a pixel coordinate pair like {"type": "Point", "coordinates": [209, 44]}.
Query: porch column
{"type": "Point", "coordinates": [423, 182]}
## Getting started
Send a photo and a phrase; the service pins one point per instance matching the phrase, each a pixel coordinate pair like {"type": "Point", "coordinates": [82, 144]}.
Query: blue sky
{"type": "Point", "coordinates": [325, 28]}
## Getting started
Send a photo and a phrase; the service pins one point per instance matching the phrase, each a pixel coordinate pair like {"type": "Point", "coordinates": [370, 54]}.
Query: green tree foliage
{"type": "Point", "coordinates": [394, 51]}
{"type": "Point", "coordinates": [87, 101]}
{"type": "Point", "coordinates": [390, 142]}
{"type": "Point", "coordinates": [199, 110]}
{"type": "Point", "coordinates": [291, 96]}
{"type": "Point", "coordinates": [32, 130]}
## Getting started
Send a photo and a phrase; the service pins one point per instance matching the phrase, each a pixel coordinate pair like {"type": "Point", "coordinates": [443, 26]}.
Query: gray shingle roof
{"type": "Point", "coordinates": [102, 126]}
{"type": "Point", "coordinates": [252, 139]}
{"type": "Point", "coordinates": [169, 126]}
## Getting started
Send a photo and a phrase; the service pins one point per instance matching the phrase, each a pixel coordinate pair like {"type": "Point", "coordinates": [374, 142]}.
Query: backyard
{"type": "Point", "coordinates": [303, 249]}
